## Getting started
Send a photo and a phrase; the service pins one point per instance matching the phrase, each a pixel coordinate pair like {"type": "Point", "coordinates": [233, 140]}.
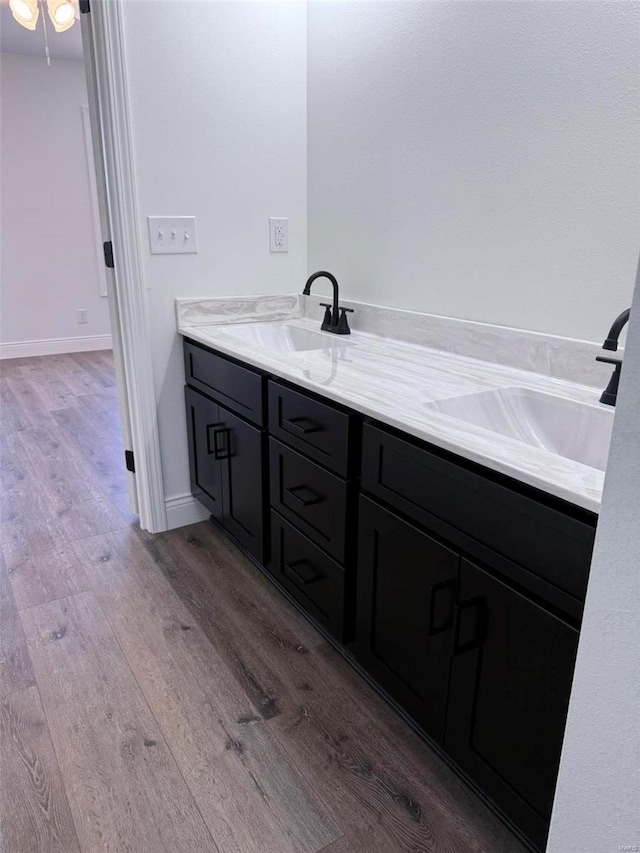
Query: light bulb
{"type": "Point", "coordinates": [25, 12]}
{"type": "Point", "coordinates": [62, 14]}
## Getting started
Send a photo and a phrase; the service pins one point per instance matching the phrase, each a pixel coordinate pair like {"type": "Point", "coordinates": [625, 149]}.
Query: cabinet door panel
{"type": "Point", "coordinates": [204, 437]}
{"type": "Point", "coordinates": [406, 594]}
{"type": "Point", "coordinates": [510, 684]}
{"type": "Point", "coordinates": [243, 490]}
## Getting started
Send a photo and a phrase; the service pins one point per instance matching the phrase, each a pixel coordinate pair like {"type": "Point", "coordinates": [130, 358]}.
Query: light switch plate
{"type": "Point", "coordinates": [172, 235]}
{"type": "Point", "coordinates": [278, 234]}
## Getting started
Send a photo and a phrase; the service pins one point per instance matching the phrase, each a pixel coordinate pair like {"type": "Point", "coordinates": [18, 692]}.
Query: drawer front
{"type": "Point", "coordinates": [310, 498]}
{"type": "Point", "coordinates": [316, 429]}
{"type": "Point", "coordinates": [313, 578]}
{"type": "Point", "coordinates": [424, 486]}
{"type": "Point", "coordinates": [238, 388]}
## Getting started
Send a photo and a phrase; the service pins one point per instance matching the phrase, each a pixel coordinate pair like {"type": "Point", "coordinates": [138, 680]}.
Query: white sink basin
{"type": "Point", "coordinates": [577, 431]}
{"type": "Point", "coordinates": [282, 337]}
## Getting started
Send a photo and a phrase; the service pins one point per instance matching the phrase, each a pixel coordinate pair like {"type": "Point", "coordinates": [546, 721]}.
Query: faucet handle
{"type": "Point", "coordinates": [343, 325]}
{"type": "Point", "coordinates": [328, 315]}
{"type": "Point", "coordinates": [607, 360]}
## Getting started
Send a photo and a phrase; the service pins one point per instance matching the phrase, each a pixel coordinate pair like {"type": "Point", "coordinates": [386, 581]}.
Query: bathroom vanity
{"type": "Point", "coordinates": [456, 585]}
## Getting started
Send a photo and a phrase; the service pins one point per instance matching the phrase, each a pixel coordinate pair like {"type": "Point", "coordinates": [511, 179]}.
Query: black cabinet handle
{"type": "Point", "coordinates": [211, 438]}
{"type": "Point", "coordinates": [470, 620]}
{"type": "Point", "coordinates": [304, 571]}
{"type": "Point", "coordinates": [442, 607]}
{"type": "Point", "coordinates": [303, 426]}
{"type": "Point", "coordinates": [304, 495]}
{"type": "Point", "coordinates": [214, 433]}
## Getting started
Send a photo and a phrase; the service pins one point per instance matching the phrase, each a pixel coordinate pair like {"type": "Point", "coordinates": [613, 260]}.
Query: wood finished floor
{"type": "Point", "coordinates": [157, 694]}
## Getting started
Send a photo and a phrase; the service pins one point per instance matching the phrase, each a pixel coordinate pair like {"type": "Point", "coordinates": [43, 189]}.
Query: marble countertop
{"type": "Point", "coordinates": [394, 382]}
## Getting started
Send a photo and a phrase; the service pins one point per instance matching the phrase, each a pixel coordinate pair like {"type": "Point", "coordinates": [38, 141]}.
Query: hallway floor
{"type": "Point", "coordinates": [157, 694]}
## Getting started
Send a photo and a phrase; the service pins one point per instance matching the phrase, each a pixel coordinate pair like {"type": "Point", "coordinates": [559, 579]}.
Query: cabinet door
{"type": "Point", "coordinates": [510, 684]}
{"type": "Point", "coordinates": [406, 595]}
{"type": "Point", "coordinates": [243, 482]}
{"type": "Point", "coordinates": [205, 436]}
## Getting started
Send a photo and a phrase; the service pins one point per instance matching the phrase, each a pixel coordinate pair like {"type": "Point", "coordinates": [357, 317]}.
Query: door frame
{"type": "Point", "coordinates": [105, 63]}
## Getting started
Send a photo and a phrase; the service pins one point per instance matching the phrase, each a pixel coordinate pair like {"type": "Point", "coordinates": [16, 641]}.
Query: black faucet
{"type": "Point", "coordinates": [610, 393]}
{"type": "Point", "coordinates": [335, 317]}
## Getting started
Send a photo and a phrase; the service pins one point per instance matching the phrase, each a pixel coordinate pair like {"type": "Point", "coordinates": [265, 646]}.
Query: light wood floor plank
{"type": "Point", "coordinates": [16, 671]}
{"type": "Point", "coordinates": [250, 793]}
{"type": "Point", "coordinates": [47, 577]}
{"type": "Point", "coordinates": [124, 789]}
{"type": "Point", "coordinates": [34, 813]}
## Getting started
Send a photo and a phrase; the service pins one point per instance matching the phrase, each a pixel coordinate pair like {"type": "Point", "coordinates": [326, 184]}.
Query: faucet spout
{"type": "Point", "coordinates": [611, 343]}
{"type": "Point", "coordinates": [334, 283]}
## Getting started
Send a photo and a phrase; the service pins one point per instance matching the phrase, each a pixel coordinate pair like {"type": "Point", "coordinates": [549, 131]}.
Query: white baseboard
{"type": "Point", "coordinates": [183, 510]}
{"type": "Point", "coordinates": [55, 346]}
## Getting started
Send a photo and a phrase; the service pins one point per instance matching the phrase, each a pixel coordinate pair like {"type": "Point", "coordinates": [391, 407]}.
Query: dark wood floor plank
{"type": "Point", "coordinates": [47, 577]}
{"type": "Point", "coordinates": [342, 845]}
{"type": "Point", "coordinates": [16, 672]}
{"type": "Point", "coordinates": [124, 788]}
{"type": "Point", "coordinates": [250, 793]}
{"type": "Point", "coordinates": [387, 789]}
{"type": "Point", "coordinates": [33, 804]}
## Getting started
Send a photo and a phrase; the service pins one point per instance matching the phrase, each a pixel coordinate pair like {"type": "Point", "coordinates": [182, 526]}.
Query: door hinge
{"type": "Point", "coordinates": [108, 254]}
{"type": "Point", "coordinates": [129, 461]}
{"type": "Point", "coordinates": [84, 7]}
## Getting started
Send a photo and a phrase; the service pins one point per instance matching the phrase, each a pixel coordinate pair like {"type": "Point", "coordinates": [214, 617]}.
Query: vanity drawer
{"type": "Point", "coordinates": [312, 578]}
{"type": "Point", "coordinates": [317, 429]}
{"type": "Point", "coordinates": [425, 485]}
{"type": "Point", "coordinates": [309, 497]}
{"type": "Point", "coordinates": [239, 388]}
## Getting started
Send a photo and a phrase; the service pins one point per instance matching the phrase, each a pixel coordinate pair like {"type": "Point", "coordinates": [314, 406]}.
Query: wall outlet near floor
{"type": "Point", "coordinates": [82, 315]}
{"type": "Point", "coordinates": [278, 234]}
{"type": "Point", "coordinates": [172, 235]}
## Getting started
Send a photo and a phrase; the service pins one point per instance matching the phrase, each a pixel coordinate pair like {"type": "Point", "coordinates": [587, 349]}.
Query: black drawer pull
{"type": "Point", "coordinates": [441, 609]}
{"type": "Point", "coordinates": [305, 495]}
{"type": "Point", "coordinates": [465, 612]}
{"type": "Point", "coordinates": [214, 433]}
{"type": "Point", "coordinates": [304, 571]}
{"type": "Point", "coordinates": [303, 426]}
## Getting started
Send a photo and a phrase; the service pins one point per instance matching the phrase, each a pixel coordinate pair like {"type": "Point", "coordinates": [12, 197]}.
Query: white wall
{"type": "Point", "coordinates": [218, 104]}
{"type": "Point", "coordinates": [597, 804]}
{"type": "Point", "coordinates": [48, 253]}
{"type": "Point", "coordinates": [477, 160]}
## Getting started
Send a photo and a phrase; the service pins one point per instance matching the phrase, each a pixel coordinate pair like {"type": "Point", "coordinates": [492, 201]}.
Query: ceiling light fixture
{"type": "Point", "coordinates": [62, 14]}
{"type": "Point", "coordinates": [25, 12]}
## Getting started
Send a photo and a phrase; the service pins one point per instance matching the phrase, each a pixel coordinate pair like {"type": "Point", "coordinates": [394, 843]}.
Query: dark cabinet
{"type": "Point", "coordinates": [406, 596]}
{"type": "Point", "coordinates": [226, 465]}
{"type": "Point", "coordinates": [463, 596]}
{"type": "Point", "coordinates": [511, 676]}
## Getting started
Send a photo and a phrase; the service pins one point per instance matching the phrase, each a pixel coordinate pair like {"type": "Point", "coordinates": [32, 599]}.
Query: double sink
{"type": "Point", "coordinates": [568, 428]}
